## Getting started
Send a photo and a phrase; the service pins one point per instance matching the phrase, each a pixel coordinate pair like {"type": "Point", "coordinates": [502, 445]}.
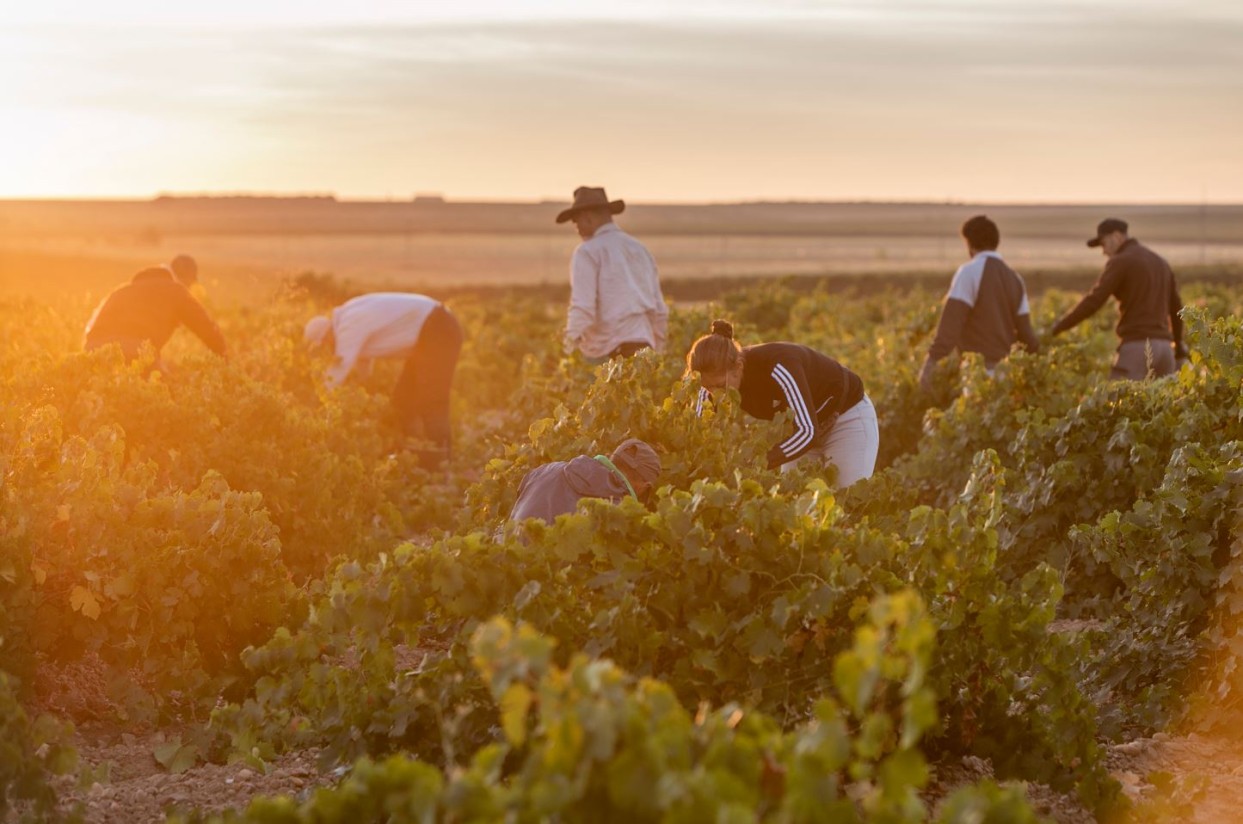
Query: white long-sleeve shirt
{"type": "Point", "coordinates": [377, 325]}
{"type": "Point", "coordinates": [615, 295]}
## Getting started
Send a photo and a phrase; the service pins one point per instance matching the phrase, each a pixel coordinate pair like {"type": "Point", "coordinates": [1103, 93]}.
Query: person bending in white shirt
{"type": "Point", "coordinates": [616, 306]}
{"type": "Point", "coordinates": [399, 325]}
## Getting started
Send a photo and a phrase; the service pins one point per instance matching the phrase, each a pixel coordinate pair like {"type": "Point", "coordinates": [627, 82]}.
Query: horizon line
{"type": "Point", "coordinates": [441, 199]}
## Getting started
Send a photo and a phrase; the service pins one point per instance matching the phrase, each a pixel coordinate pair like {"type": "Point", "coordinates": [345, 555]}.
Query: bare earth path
{"type": "Point", "coordinates": [1192, 778]}
{"type": "Point", "coordinates": [127, 784]}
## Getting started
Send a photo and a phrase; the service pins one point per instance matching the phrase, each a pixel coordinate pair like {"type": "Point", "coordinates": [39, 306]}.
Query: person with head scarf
{"type": "Point", "coordinates": [556, 488]}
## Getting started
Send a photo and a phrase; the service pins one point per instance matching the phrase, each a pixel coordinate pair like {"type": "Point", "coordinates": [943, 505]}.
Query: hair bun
{"type": "Point", "coordinates": [723, 328]}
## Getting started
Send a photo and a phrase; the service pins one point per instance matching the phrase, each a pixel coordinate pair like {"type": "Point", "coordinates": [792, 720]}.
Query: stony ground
{"type": "Point", "coordinates": [1192, 778]}
{"type": "Point", "coordinates": [120, 781]}
{"type": "Point", "coordinates": [1064, 809]}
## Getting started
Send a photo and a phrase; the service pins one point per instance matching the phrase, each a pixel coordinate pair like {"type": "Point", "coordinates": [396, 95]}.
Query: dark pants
{"type": "Point", "coordinates": [422, 394]}
{"type": "Point", "coordinates": [630, 347]}
{"type": "Point", "coordinates": [130, 347]}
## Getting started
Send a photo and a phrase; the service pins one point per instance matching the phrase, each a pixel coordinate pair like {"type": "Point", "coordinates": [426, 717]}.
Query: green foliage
{"type": "Point", "coordinates": [168, 587]}
{"type": "Point", "coordinates": [30, 752]}
{"type": "Point", "coordinates": [18, 598]}
{"type": "Point", "coordinates": [726, 594]}
{"type": "Point", "coordinates": [641, 397]}
{"type": "Point", "coordinates": [590, 742]}
{"type": "Point", "coordinates": [1166, 554]}
{"type": "Point", "coordinates": [1220, 699]}
{"type": "Point", "coordinates": [234, 531]}
{"type": "Point", "coordinates": [165, 521]}
{"type": "Point", "coordinates": [765, 311]}
{"type": "Point", "coordinates": [986, 803]}
{"type": "Point", "coordinates": [310, 465]}
{"type": "Point", "coordinates": [1005, 682]}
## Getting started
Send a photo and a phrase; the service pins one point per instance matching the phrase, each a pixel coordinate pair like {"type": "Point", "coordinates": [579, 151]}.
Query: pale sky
{"type": "Point", "coordinates": [692, 100]}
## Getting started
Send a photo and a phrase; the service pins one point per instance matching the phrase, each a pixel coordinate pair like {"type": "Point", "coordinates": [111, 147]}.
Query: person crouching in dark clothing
{"type": "Point", "coordinates": [149, 309]}
{"type": "Point", "coordinates": [556, 488]}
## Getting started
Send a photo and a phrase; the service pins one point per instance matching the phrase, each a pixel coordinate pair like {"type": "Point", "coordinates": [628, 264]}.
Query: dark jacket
{"type": "Point", "coordinates": [985, 311]}
{"type": "Point", "coordinates": [556, 488]}
{"type": "Point", "coordinates": [150, 308]}
{"type": "Point", "coordinates": [1148, 299]}
{"type": "Point", "coordinates": [814, 387]}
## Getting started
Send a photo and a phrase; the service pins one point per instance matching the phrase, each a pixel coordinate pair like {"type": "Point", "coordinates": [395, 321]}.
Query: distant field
{"type": "Point", "coordinates": [245, 245]}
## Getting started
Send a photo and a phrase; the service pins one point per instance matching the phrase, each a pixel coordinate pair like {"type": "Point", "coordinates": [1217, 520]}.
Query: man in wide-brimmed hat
{"type": "Point", "coordinates": [616, 307]}
{"type": "Point", "coordinates": [1150, 330]}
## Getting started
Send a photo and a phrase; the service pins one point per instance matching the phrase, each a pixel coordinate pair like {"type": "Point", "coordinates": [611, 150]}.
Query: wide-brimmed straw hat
{"type": "Point", "coordinates": [591, 197]}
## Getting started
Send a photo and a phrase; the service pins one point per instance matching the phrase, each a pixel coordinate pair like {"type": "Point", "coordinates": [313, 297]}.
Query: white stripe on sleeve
{"type": "Point", "coordinates": [966, 283]}
{"type": "Point", "coordinates": [699, 402]}
{"type": "Point", "coordinates": [802, 418]}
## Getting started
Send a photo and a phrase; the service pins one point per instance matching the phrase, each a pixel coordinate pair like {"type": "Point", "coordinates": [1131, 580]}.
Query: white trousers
{"type": "Point", "coordinates": [851, 447]}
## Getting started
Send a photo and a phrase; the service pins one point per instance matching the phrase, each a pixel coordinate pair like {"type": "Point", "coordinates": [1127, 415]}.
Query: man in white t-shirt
{"type": "Point", "coordinates": [398, 325]}
{"type": "Point", "coordinates": [616, 306]}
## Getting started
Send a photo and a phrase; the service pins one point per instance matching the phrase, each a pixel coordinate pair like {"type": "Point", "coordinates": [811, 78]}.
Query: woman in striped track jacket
{"type": "Point", "coordinates": [834, 420]}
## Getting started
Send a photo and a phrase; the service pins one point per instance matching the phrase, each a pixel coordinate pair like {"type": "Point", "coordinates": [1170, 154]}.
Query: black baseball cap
{"type": "Point", "coordinates": [1107, 226]}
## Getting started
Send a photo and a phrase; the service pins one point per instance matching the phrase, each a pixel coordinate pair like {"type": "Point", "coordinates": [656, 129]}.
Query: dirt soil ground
{"type": "Point", "coordinates": [1064, 809]}
{"type": "Point", "coordinates": [1191, 778]}
{"type": "Point", "coordinates": [127, 784]}
{"type": "Point", "coordinates": [118, 778]}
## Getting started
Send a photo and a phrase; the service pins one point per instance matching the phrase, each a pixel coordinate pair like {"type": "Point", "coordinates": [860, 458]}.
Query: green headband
{"type": "Point", "coordinates": [604, 459]}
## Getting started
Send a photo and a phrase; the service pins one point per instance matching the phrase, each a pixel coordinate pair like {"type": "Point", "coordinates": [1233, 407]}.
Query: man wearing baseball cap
{"type": "Point", "coordinates": [616, 306]}
{"type": "Point", "coordinates": [1149, 327]}
{"type": "Point", "coordinates": [556, 488]}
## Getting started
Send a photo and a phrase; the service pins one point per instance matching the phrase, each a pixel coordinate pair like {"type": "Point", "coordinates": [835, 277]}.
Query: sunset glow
{"type": "Point", "coordinates": [712, 100]}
